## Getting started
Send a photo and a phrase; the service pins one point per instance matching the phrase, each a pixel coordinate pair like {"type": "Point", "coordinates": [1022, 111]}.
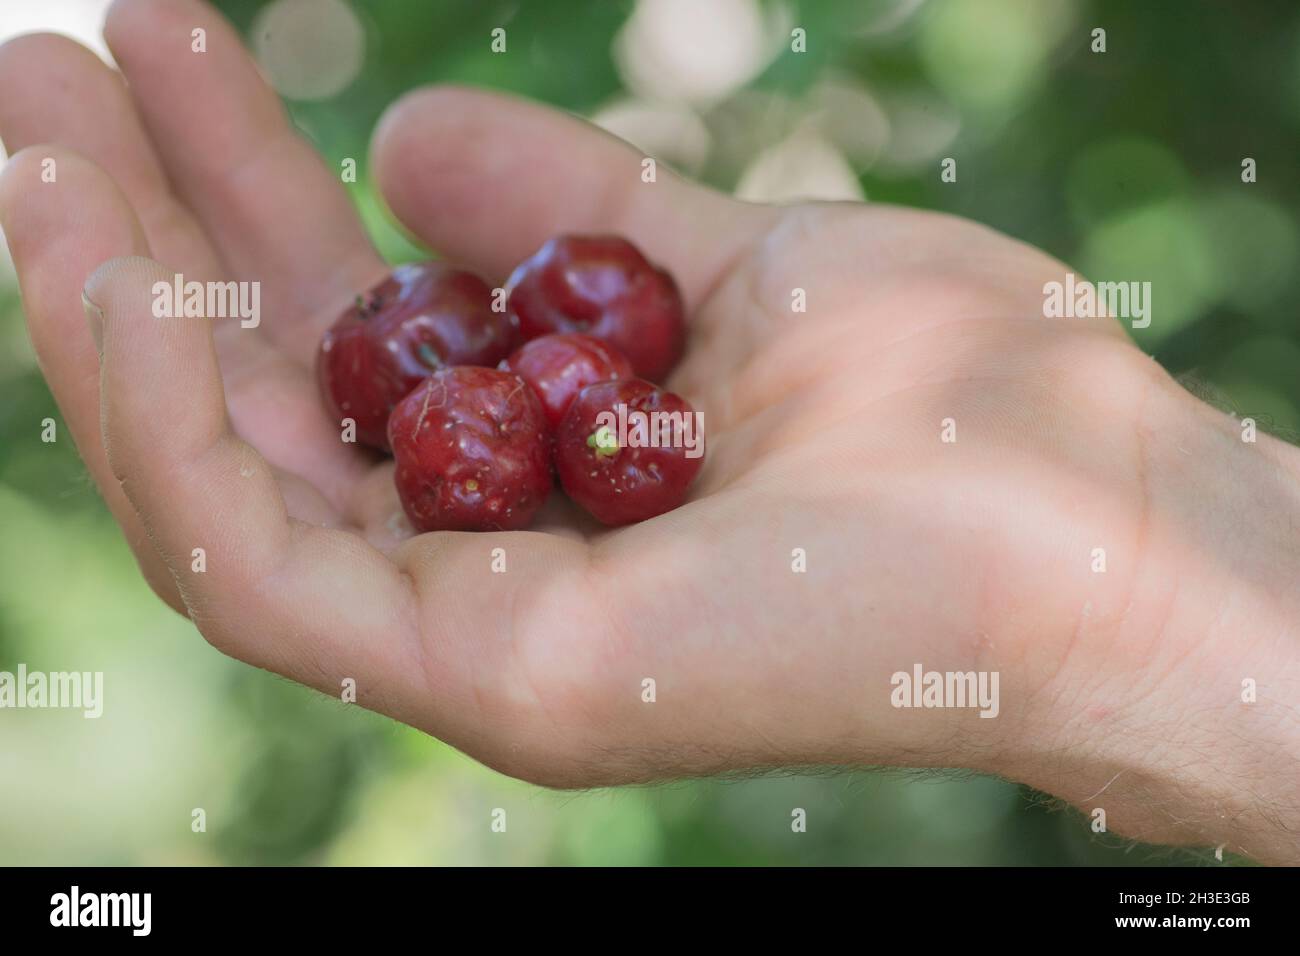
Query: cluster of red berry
{"type": "Point", "coordinates": [479, 425]}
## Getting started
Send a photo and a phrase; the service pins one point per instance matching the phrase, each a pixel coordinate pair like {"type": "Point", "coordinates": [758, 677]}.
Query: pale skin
{"type": "Point", "coordinates": [1119, 690]}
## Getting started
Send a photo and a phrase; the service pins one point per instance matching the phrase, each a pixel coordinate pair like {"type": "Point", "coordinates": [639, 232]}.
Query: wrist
{"type": "Point", "coordinates": [1179, 718]}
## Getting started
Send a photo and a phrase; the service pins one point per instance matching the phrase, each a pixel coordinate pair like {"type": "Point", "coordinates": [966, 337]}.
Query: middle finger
{"type": "Point", "coordinates": [274, 210]}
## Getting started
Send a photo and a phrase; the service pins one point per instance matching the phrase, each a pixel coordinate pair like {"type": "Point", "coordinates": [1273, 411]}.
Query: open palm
{"type": "Point", "coordinates": [834, 535]}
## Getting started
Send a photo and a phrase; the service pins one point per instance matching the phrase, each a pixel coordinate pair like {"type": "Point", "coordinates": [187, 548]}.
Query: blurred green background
{"type": "Point", "coordinates": [1125, 164]}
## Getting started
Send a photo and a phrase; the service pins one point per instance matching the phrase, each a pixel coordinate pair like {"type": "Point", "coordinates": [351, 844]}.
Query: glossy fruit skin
{"type": "Point", "coordinates": [558, 367]}
{"type": "Point", "coordinates": [473, 451]}
{"type": "Point", "coordinates": [423, 317]}
{"type": "Point", "coordinates": [626, 484]}
{"type": "Point", "coordinates": [601, 286]}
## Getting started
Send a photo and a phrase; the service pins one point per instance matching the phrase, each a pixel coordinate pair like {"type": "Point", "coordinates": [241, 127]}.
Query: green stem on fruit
{"type": "Point", "coordinates": [604, 441]}
{"type": "Point", "coordinates": [429, 356]}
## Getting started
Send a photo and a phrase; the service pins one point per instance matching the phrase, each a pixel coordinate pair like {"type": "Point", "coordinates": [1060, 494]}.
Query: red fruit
{"type": "Point", "coordinates": [421, 318]}
{"type": "Point", "coordinates": [605, 458]}
{"type": "Point", "coordinates": [558, 367]}
{"type": "Point", "coordinates": [473, 452]}
{"type": "Point", "coordinates": [601, 286]}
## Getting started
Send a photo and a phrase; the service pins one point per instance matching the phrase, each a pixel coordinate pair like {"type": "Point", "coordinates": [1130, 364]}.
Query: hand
{"type": "Point", "coordinates": [825, 433]}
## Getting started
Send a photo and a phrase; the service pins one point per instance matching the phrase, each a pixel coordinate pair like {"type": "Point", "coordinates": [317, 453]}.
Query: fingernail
{"type": "Point", "coordinates": [95, 319]}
